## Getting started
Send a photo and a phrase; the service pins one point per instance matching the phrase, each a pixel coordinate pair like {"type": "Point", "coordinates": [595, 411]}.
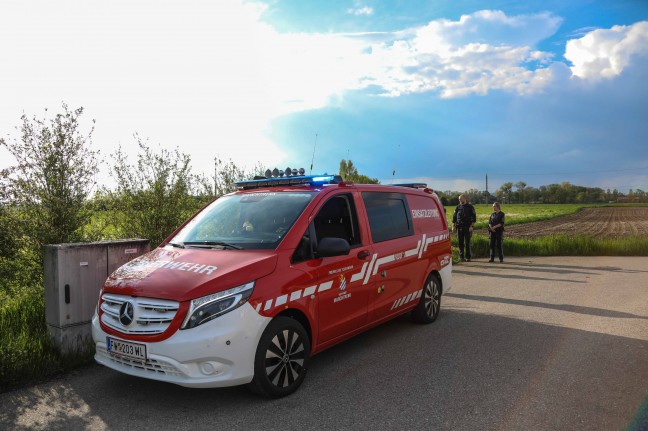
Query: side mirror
{"type": "Point", "coordinates": [328, 247]}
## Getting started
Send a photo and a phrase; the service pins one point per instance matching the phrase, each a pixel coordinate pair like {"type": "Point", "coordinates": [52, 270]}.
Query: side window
{"type": "Point", "coordinates": [389, 215]}
{"type": "Point", "coordinates": [337, 218]}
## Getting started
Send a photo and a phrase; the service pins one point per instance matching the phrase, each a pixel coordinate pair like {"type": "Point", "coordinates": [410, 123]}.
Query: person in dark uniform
{"type": "Point", "coordinates": [463, 220]}
{"type": "Point", "coordinates": [496, 232]}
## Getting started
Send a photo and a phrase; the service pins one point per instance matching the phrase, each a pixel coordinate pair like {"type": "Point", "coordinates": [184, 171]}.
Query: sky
{"type": "Point", "coordinates": [445, 92]}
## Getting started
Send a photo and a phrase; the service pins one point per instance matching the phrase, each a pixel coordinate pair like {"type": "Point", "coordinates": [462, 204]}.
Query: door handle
{"type": "Point", "coordinates": [363, 254]}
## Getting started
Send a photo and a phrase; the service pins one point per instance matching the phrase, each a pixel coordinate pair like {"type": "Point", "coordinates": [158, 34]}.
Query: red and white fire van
{"type": "Point", "coordinates": [253, 285]}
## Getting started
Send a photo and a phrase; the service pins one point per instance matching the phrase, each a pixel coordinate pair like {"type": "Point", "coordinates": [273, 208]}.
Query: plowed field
{"type": "Point", "coordinates": [606, 222]}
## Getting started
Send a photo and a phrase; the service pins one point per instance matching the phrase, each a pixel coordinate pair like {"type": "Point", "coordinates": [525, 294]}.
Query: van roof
{"type": "Point", "coordinates": [310, 181]}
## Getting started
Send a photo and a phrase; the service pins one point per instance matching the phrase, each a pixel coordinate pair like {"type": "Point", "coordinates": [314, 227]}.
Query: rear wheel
{"type": "Point", "coordinates": [429, 306]}
{"type": "Point", "coordinates": [281, 358]}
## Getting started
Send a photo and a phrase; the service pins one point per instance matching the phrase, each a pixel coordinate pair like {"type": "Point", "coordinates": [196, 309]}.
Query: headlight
{"type": "Point", "coordinates": [202, 310]}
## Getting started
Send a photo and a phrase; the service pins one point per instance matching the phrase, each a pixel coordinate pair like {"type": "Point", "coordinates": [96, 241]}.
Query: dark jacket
{"type": "Point", "coordinates": [495, 219]}
{"type": "Point", "coordinates": [464, 216]}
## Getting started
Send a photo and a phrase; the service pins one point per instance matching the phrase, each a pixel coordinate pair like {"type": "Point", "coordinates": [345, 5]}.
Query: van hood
{"type": "Point", "coordinates": [185, 274]}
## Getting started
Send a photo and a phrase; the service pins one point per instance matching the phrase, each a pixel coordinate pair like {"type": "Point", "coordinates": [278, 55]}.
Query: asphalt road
{"type": "Point", "coordinates": [556, 343]}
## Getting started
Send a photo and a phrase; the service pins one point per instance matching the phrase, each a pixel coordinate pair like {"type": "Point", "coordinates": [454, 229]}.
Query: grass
{"type": "Point", "coordinates": [558, 245]}
{"type": "Point", "coordinates": [525, 213]}
{"type": "Point", "coordinates": [26, 350]}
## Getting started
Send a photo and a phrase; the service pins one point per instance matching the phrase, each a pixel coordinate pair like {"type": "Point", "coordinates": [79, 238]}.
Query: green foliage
{"type": "Point", "coordinates": [52, 179]}
{"type": "Point", "coordinates": [8, 237]}
{"type": "Point", "coordinates": [154, 196]}
{"type": "Point", "coordinates": [525, 213]}
{"type": "Point", "coordinates": [27, 351]}
{"type": "Point", "coordinates": [563, 193]}
{"type": "Point", "coordinates": [225, 175]}
{"type": "Point", "coordinates": [349, 172]}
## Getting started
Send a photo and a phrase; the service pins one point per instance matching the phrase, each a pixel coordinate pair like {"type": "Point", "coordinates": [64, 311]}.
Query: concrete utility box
{"type": "Point", "coordinates": [74, 274]}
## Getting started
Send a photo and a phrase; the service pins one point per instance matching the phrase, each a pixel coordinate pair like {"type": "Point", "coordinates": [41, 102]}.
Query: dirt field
{"type": "Point", "coordinates": [608, 222]}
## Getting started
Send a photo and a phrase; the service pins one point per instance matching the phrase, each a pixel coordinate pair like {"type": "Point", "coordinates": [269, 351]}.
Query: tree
{"type": "Point", "coordinates": [224, 178]}
{"type": "Point", "coordinates": [52, 179]}
{"type": "Point", "coordinates": [474, 196]}
{"type": "Point", "coordinates": [521, 191]}
{"type": "Point", "coordinates": [349, 172]}
{"type": "Point", "coordinates": [154, 196]}
{"type": "Point", "coordinates": [505, 192]}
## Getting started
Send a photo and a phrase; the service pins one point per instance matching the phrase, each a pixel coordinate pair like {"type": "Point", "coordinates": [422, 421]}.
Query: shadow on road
{"type": "Point", "coordinates": [600, 312]}
{"type": "Point", "coordinates": [466, 371]}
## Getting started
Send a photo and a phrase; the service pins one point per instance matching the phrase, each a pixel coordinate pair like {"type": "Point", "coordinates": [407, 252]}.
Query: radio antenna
{"type": "Point", "coordinates": [312, 159]}
{"type": "Point", "coordinates": [396, 163]}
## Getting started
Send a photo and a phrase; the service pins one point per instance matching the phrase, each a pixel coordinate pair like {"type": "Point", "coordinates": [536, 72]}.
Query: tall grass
{"type": "Point", "coordinates": [27, 352]}
{"type": "Point", "coordinates": [559, 245]}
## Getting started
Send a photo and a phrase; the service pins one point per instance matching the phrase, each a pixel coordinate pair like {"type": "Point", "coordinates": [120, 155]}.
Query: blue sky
{"type": "Point", "coordinates": [444, 92]}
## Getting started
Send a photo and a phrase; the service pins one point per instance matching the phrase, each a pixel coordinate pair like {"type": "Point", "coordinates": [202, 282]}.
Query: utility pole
{"type": "Point", "coordinates": [486, 194]}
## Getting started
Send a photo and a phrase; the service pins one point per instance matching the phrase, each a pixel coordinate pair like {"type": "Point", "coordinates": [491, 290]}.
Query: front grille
{"type": "Point", "coordinates": [150, 316]}
{"type": "Point", "coordinates": [152, 366]}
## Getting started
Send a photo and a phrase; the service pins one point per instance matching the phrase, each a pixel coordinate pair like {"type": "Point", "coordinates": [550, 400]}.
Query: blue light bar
{"type": "Point", "coordinates": [307, 180]}
{"type": "Point", "coordinates": [323, 179]}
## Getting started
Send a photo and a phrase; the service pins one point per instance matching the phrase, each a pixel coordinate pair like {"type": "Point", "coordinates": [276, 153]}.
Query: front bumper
{"type": "Point", "coordinates": [216, 354]}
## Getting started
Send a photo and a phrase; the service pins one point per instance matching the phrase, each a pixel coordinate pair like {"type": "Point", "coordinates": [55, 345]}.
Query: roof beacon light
{"type": "Point", "coordinates": [289, 177]}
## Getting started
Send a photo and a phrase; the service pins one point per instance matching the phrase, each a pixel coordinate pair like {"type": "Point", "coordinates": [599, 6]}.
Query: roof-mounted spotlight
{"type": "Point", "coordinates": [288, 171]}
{"type": "Point", "coordinates": [301, 171]}
{"type": "Point", "coordinates": [268, 173]}
{"type": "Point", "coordinates": [275, 172]}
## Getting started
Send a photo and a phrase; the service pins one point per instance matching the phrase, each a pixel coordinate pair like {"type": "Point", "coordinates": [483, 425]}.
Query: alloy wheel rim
{"type": "Point", "coordinates": [431, 299]}
{"type": "Point", "coordinates": [284, 359]}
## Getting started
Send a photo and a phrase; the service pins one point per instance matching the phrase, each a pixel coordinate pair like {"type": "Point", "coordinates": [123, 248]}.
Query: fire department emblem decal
{"type": "Point", "coordinates": [343, 293]}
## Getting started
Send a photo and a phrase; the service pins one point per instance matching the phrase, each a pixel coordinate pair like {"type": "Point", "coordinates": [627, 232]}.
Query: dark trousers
{"type": "Point", "coordinates": [463, 238]}
{"type": "Point", "coordinates": [496, 244]}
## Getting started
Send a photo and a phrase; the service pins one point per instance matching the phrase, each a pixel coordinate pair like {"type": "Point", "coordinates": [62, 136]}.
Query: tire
{"type": "Point", "coordinates": [281, 358]}
{"type": "Point", "coordinates": [429, 306]}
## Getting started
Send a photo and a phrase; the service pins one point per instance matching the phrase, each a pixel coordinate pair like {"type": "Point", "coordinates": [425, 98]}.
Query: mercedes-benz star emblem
{"type": "Point", "coordinates": [126, 313]}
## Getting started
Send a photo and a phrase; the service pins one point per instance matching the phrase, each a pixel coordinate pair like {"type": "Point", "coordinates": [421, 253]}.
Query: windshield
{"type": "Point", "coordinates": [244, 221]}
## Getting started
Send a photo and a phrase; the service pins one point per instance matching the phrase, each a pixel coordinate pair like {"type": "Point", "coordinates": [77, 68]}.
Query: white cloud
{"type": "Point", "coordinates": [493, 27]}
{"type": "Point", "coordinates": [210, 77]}
{"type": "Point", "coordinates": [361, 10]}
{"type": "Point", "coordinates": [605, 53]}
{"type": "Point", "coordinates": [481, 52]}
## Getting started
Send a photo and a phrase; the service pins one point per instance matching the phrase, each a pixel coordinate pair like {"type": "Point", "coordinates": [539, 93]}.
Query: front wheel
{"type": "Point", "coordinates": [281, 358]}
{"type": "Point", "coordinates": [429, 306]}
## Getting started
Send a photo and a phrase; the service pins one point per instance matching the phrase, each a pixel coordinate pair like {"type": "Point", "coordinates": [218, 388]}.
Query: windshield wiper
{"type": "Point", "coordinates": [177, 244]}
{"type": "Point", "coordinates": [212, 244]}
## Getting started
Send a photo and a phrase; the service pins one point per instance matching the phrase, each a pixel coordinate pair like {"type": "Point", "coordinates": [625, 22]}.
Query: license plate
{"type": "Point", "coordinates": [126, 348]}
